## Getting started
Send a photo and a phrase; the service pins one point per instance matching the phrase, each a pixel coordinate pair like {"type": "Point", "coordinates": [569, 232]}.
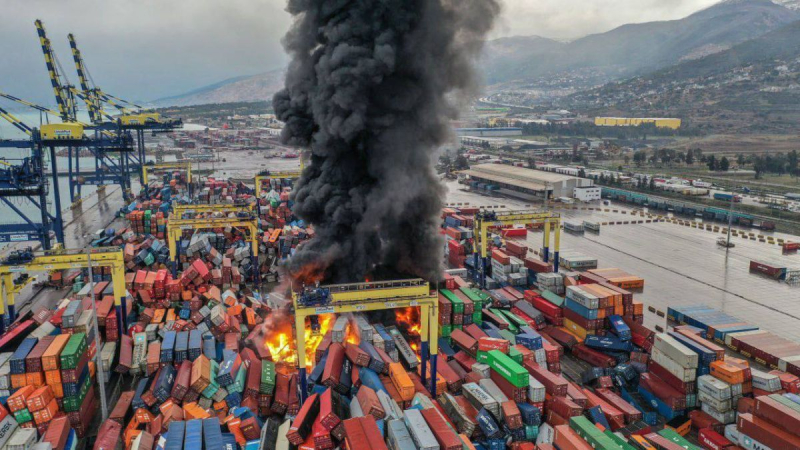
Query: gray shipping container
{"type": "Point", "coordinates": [398, 437]}
{"type": "Point", "coordinates": [492, 389]}
{"type": "Point", "coordinates": [419, 430]}
{"type": "Point", "coordinates": [714, 387]}
{"type": "Point", "coordinates": [479, 398]}
{"type": "Point", "coordinates": [765, 381]}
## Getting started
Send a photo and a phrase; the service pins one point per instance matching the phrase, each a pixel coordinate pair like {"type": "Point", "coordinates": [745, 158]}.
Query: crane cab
{"type": "Point", "coordinates": [62, 132]}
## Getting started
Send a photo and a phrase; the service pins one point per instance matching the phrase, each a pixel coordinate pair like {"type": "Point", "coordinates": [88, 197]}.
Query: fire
{"type": "Point", "coordinates": [408, 319]}
{"type": "Point", "coordinates": [309, 274]}
{"type": "Point", "coordinates": [282, 347]}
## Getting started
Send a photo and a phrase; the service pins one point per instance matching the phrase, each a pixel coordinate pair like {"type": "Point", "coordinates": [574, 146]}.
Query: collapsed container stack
{"type": "Point", "coordinates": [458, 230]}
{"type": "Point", "coordinates": [215, 192]}
{"type": "Point", "coordinates": [167, 186]}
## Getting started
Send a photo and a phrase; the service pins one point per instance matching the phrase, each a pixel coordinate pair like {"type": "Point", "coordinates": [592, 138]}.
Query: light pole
{"type": "Point", "coordinates": [101, 375]}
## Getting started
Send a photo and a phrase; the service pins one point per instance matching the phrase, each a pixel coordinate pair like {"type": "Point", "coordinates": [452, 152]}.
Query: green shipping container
{"type": "Point", "coordinates": [445, 330]}
{"type": "Point", "coordinates": [458, 304]}
{"type": "Point", "coordinates": [515, 354]}
{"type": "Point", "coordinates": [482, 357]}
{"type": "Point", "coordinates": [591, 434]}
{"type": "Point", "coordinates": [672, 435]}
{"type": "Point", "coordinates": [511, 327]}
{"type": "Point", "coordinates": [553, 298]}
{"type": "Point", "coordinates": [531, 432]}
{"type": "Point", "coordinates": [509, 336]}
{"type": "Point", "coordinates": [267, 377]}
{"type": "Point", "coordinates": [73, 403]}
{"type": "Point", "coordinates": [75, 348]}
{"type": "Point", "coordinates": [508, 368]}
{"type": "Point", "coordinates": [477, 318]}
{"type": "Point", "coordinates": [518, 321]}
{"type": "Point", "coordinates": [239, 381]}
{"type": "Point", "coordinates": [23, 415]}
{"type": "Point", "coordinates": [623, 444]}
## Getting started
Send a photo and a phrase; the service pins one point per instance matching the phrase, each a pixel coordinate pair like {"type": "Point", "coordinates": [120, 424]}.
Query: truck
{"type": "Point", "coordinates": [727, 197]}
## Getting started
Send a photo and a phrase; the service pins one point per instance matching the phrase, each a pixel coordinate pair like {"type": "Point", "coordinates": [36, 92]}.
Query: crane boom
{"type": "Point", "coordinates": [27, 103]}
{"type": "Point", "coordinates": [89, 96]}
{"type": "Point", "coordinates": [18, 124]}
{"type": "Point", "coordinates": [64, 97]}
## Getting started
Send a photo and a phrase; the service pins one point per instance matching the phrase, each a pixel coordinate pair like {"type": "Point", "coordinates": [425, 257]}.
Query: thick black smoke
{"type": "Point", "coordinates": [370, 90]}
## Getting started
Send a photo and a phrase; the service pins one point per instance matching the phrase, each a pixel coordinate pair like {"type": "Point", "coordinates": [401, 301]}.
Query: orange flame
{"type": "Point", "coordinates": [281, 343]}
{"type": "Point", "coordinates": [309, 274]}
{"type": "Point", "coordinates": [410, 318]}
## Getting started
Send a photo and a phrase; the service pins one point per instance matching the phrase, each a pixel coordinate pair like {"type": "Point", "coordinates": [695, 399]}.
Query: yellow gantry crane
{"type": "Point", "coordinates": [370, 296]}
{"type": "Point", "coordinates": [484, 220]}
{"type": "Point", "coordinates": [176, 227]}
{"type": "Point", "coordinates": [241, 211]}
{"type": "Point", "coordinates": [27, 262]}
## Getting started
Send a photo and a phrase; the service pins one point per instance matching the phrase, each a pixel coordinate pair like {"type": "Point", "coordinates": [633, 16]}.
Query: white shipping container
{"type": "Point", "coordinates": [719, 405]}
{"type": "Point", "coordinates": [676, 351]}
{"type": "Point", "coordinates": [22, 439]}
{"type": "Point", "coordinates": [765, 381]}
{"type": "Point", "coordinates": [7, 428]}
{"type": "Point", "coordinates": [546, 435]}
{"type": "Point", "coordinates": [582, 297]}
{"type": "Point", "coordinates": [673, 367]}
{"type": "Point", "coordinates": [749, 443]}
{"type": "Point", "coordinates": [714, 387]}
{"type": "Point", "coordinates": [482, 369]}
{"type": "Point", "coordinates": [724, 417]}
{"type": "Point", "coordinates": [536, 390]}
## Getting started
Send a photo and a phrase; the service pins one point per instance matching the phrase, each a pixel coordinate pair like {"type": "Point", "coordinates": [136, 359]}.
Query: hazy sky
{"type": "Point", "coordinates": [147, 49]}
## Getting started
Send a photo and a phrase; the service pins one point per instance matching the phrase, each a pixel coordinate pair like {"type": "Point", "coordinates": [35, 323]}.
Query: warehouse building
{"type": "Point", "coordinates": [520, 182]}
{"type": "Point", "coordinates": [586, 193]}
{"type": "Point", "coordinates": [634, 122]}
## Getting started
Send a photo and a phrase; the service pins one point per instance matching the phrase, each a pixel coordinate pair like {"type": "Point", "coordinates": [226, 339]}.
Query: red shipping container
{"type": "Point", "coordinates": [766, 433]}
{"type": "Point", "coordinates": [563, 406]}
{"type": "Point", "coordinates": [444, 435]}
{"type": "Point", "coordinates": [486, 344]}
{"type": "Point", "coordinates": [554, 384]}
{"type": "Point", "coordinates": [774, 411]}
{"type": "Point", "coordinates": [662, 390]}
{"type": "Point", "coordinates": [712, 440]}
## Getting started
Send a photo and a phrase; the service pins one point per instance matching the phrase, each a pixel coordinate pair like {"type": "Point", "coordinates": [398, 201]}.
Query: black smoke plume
{"type": "Point", "coordinates": [370, 91]}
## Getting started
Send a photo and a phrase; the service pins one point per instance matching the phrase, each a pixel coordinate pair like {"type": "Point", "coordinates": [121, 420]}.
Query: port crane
{"type": "Point", "coordinates": [484, 220]}
{"type": "Point", "coordinates": [111, 163]}
{"type": "Point", "coordinates": [311, 301]}
{"type": "Point", "coordinates": [25, 177]}
{"type": "Point", "coordinates": [138, 121]}
{"type": "Point", "coordinates": [27, 261]}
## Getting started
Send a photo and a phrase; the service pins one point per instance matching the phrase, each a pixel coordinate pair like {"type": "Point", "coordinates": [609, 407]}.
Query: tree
{"type": "Point", "coordinates": [791, 164]}
{"type": "Point", "coordinates": [639, 158]}
{"type": "Point", "coordinates": [724, 164]}
{"type": "Point", "coordinates": [461, 162]}
{"type": "Point", "coordinates": [690, 157]}
{"type": "Point", "coordinates": [531, 163]}
{"type": "Point", "coordinates": [652, 184]}
{"type": "Point", "coordinates": [740, 159]}
{"type": "Point", "coordinates": [445, 159]}
{"type": "Point", "coordinates": [712, 163]}
{"type": "Point", "coordinates": [582, 173]}
{"type": "Point", "coordinates": [627, 159]}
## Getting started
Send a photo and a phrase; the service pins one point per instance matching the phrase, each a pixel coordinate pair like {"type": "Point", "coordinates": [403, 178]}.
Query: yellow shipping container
{"type": "Point", "coordinates": [633, 122]}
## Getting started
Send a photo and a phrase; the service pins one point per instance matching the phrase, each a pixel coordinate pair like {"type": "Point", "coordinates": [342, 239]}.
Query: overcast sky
{"type": "Point", "coordinates": [148, 49]}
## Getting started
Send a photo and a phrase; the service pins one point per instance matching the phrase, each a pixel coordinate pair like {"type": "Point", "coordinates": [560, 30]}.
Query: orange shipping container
{"type": "Point", "coordinates": [47, 413]}
{"type": "Point", "coordinates": [727, 372]}
{"type": "Point", "coordinates": [18, 400]}
{"type": "Point", "coordinates": [39, 398]}
{"type": "Point", "coordinates": [401, 381]}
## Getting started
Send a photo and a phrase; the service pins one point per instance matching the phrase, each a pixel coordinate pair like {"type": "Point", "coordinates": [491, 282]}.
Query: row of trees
{"type": "Point", "coordinates": [667, 156]}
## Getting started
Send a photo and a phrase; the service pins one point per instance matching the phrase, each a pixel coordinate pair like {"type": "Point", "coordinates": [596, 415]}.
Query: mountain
{"type": "Point", "coordinates": [753, 86]}
{"type": "Point", "coordinates": [791, 4]}
{"type": "Point", "coordinates": [240, 89]}
{"type": "Point", "coordinates": [634, 49]}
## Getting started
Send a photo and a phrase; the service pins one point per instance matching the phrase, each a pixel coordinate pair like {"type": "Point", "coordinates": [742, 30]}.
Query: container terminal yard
{"type": "Point", "coordinates": [174, 310]}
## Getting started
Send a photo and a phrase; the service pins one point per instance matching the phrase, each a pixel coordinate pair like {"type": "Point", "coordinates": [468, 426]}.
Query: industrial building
{"type": "Point", "coordinates": [634, 122]}
{"type": "Point", "coordinates": [527, 184]}
{"type": "Point", "coordinates": [489, 132]}
{"type": "Point", "coordinates": [586, 193]}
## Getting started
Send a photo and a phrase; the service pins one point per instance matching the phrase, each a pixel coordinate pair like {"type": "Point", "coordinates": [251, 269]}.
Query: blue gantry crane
{"type": "Point", "coordinates": [112, 164]}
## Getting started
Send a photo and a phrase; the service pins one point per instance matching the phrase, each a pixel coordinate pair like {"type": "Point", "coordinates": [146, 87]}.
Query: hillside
{"type": "Point", "coordinates": [634, 49]}
{"type": "Point", "coordinates": [751, 87]}
{"type": "Point", "coordinates": [253, 88]}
